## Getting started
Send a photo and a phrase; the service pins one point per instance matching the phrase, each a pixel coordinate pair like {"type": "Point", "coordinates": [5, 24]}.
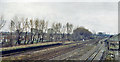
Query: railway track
{"type": "Point", "coordinates": [31, 49]}
{"type": "Point", "coordinates": [52, 54]}
{"type": "Point", "coordinates": [48, 54]}
{"type": "Point", "coordinates": [92, 57]}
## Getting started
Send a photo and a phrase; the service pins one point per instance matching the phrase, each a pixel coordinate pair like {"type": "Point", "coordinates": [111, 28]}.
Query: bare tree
{"type": "Point", "coordinates": [34, 31]}
{"type": "Point", "coordinates": [19, 29]}
{"type": "Point", "coordinates": [2, 22]}
{"type": "Point", "coordinates": [31, 26]}
{"type": "Point", "coordinates": [43, 28]}
{"type": "Point", "coordinates": [37, 28]}
{"type": "Point", "coordinates": [12, 28]}
{"type": "Point", "coordinates": [58, 26]}
{"type": "Point", "coordinates": [69, 30]}
{"type": "Point", "coordinates": [63, 33]}
{"type": "Point", "coordinates": [26, 28]}
{"type": "Point", "coordinates": [54, 29]}
{"type": "Point", "coordinates": [57, 30]}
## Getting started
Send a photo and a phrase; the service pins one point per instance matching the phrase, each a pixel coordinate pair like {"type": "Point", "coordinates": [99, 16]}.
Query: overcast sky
{"type": "Point", "coordinates": [97, 15]}
{"type": "Point", "coordinates": [59, 0]}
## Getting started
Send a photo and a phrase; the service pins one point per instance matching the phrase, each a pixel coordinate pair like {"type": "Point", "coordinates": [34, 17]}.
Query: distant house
{"type": "Point", "coordinates": [4, 36]}
{"type": "Point", "coordinates": [115, 42]}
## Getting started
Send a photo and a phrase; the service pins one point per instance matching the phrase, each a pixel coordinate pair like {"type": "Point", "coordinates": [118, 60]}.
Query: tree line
{"type": "Point", "coordinates": [37, 29]}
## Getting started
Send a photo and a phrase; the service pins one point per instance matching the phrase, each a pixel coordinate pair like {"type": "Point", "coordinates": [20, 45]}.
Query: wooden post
{"type": "Point", "coordinates": [119, 45]}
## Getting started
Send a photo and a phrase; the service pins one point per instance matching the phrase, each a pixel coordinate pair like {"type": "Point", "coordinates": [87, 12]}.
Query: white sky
{"type": "Point", "coordinates": [59, 0]}
{"type": "Point", "coordinates": [96, 15]}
